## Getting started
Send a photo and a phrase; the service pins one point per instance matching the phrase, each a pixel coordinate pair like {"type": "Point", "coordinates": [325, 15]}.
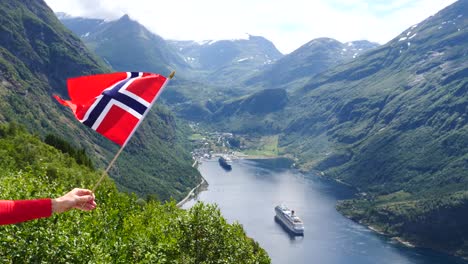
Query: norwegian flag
{"type": "Point", "coordinates": [113, 104]}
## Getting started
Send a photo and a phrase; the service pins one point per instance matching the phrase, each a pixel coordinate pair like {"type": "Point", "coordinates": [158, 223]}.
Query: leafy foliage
{"type": "Point", "coordinates": [123, 229]}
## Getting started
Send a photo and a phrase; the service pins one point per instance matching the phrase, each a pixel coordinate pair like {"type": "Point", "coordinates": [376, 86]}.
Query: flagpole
{"type": "Point", "coordinates": [104, 173]}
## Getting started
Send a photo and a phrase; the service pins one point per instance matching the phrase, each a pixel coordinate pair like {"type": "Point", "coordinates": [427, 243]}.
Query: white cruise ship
{"type": "Point", "coordinates": [289, 220]}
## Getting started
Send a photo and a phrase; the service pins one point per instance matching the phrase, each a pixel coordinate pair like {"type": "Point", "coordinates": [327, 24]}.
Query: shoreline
{"type": "Point", "coordinates": [203, 185]}
{"type": "Point", "coordinates": [382, 233]}
{"type": "Point", "coordinates": [398, 239]}
{"type": "Point", "coordinates": [404, 242]}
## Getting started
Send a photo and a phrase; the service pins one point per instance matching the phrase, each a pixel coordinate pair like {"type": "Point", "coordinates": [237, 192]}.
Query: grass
{"type": "Point", "coordinates": [266, 146]}
{"type": "Point", "coordinates": [195, 137]}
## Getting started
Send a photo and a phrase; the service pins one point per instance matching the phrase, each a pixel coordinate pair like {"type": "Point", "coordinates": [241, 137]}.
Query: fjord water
{"type": "Point", "coordinates": [250, 191]}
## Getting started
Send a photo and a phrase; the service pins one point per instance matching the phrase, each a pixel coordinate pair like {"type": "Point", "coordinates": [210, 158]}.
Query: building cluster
{"type": "Point", "coordinates": [211, 144]}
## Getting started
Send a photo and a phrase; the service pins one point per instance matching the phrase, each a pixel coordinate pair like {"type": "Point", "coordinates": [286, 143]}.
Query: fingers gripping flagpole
{"type": "Point", "coordinates": [104, 173]}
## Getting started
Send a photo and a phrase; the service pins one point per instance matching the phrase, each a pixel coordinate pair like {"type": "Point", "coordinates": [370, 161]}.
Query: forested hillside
{"type": "Point", "coordinates": [37, 55]}
{"type": "Point", "coordinates": [122, 229]}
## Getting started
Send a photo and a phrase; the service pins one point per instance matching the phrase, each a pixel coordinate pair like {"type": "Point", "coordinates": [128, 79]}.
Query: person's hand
{"type": "Point", "coordinates": [77, 198]}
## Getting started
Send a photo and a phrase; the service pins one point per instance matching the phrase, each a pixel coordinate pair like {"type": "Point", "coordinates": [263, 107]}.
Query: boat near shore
{"type": "Point", "coordinates": [289, 220]}
{"type": "Point", "coordinates": [225, 162]}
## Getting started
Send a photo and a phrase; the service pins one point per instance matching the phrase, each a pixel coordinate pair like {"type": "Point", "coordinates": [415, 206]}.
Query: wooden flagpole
{"type": "Point", "coordinates": [104, 173]}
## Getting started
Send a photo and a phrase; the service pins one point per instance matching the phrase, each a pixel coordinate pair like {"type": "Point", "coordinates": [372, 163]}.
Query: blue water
{"type": "Point", "coordinates": [250, 191]}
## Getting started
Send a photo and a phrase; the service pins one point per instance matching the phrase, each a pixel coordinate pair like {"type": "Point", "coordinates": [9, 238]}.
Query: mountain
{"type": "Point", "coordinates": [310, 59]}
{"type": "Point", "coordinates": [241, 114]}
{"type": "Point", "coordinates": [125, 44]}
{"type": "Point", "coordinates": [269, 86]}
{"type": "Point", "coordinates": [271, 83]}
{"type": "Point", "coordinates": [81, 26]}
{"type": "Point", "coordinates": [227, 61]}
{"type": "Point", "coordinates": [220, 63]}
{"type": "Point", "coordinates": [393, 123]}
{"type": "Point", "coordinates": [211, 69]}
{"type": "Point", "coordinates": [37, 55]}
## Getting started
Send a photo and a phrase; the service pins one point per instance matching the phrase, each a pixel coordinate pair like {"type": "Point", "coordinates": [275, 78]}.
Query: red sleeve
{"type": "Point", "coordinates": [12, 212]}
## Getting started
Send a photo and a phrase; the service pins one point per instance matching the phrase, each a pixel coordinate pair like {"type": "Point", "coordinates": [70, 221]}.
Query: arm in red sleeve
{"type": "Point", "coordinates": [12, 212]}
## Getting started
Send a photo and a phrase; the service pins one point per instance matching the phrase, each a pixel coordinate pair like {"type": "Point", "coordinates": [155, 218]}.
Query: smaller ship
{"type": "Point", "coordinates": [289, 220]}
{"type": "Point", "coordinates": [225, 162]}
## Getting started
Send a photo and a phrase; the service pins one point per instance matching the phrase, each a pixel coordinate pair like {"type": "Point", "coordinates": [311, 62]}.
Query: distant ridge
{"type": "Point", "coordinates": [312, 58]}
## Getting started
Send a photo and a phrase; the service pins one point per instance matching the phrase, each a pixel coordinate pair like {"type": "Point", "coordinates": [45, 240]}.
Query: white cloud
{"type": "Point", "coordinates": [288, 24]}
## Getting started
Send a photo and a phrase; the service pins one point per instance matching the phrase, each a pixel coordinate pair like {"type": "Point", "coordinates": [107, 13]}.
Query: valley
{"type": "Point", "coordinates": [389, 120]}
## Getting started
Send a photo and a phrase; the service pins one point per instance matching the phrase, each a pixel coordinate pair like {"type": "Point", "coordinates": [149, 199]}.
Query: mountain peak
{"type": "Point", "coordinates": [322, 42]}
{"type": "Point", "coordinates": [125, 18]}
{"type": "Point", "coordinates": [62, 15]}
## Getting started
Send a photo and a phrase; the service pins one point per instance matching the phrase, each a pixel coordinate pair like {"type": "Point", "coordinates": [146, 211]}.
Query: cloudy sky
{"type": "Point", "coordinates": [287, 23]}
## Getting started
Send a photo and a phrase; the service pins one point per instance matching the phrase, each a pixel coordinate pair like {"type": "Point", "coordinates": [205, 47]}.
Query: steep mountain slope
{"type": "Point", "coordinates": [225, 62]}
{"type": "Point", "coordinates": [125, 44]}
{"type": "Point", "coordinates": [394, 124]}
{"type": "Point", "coordinates": [37, 54]}
{"type": "Point", "coordinates": [310, 59]}
{"type": "Point", "coordinates": [241, 115]}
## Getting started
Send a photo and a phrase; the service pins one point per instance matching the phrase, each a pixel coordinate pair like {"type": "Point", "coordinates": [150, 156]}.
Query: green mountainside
{"type": "Point", "coordinates": [393, 123]}
{"type": "Point", "coordinates": [122, 229]}
{"type": "Point", "coordinates": [37, 55]}
{"type": "Point", "coordinates": [242, 114]}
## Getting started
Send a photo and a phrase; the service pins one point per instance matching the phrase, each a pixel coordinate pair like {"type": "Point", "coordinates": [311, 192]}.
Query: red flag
{"type": "Point", "coordinates": [113, 104]}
